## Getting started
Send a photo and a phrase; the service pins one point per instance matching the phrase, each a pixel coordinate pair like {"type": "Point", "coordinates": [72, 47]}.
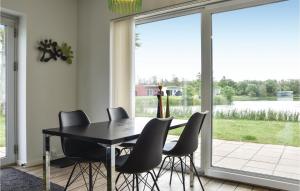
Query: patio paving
{"type": "Point", "coordinates": [277, 160]}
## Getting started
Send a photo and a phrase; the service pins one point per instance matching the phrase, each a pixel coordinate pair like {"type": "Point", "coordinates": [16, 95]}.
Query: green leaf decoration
{"type": "Point", "coordinates": [125, 6]}
{"type": "Point", "coordinates": [67, 53]}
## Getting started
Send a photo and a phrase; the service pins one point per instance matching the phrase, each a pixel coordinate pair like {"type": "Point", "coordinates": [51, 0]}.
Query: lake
{"type": "Point", "coordinates": [292, 106]}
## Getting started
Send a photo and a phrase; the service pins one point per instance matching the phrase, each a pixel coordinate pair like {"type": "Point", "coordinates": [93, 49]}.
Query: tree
{"type": "Point", "coordinates": [175, 81]}
{"type": "Point", "coordinates": [290, 85]}
{"type": "Point", "coordinates": [188, 94]}
{"type": "Point", "coordinates": [241, 88]}
{"type": "Point", "coordinates": [227, 82]}
{"type": "Point", "coordinates": [228, 92]}
{"type": "Point", "coordinates": [271, 87]}
{"type": "Point", "coordinates": [294, 86]}
{"type": "Point", "coordinates": [262, 90]}
{"type": "Point", "coordinates": [153, 80]}
{"type": "Point", "coordinates": [252, 90]}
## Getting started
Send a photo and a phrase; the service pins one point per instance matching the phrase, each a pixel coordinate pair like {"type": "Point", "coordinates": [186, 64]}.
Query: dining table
{"type": "Point", "coordinates": [108, 133]}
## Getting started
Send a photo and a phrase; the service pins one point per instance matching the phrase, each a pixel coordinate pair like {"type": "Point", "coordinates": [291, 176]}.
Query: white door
{"type": "Point", "coordinates": [7, 90]}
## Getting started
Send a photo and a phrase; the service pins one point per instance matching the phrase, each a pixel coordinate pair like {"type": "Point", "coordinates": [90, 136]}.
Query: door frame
{"type": "Point", "coordinates": [10, 24]}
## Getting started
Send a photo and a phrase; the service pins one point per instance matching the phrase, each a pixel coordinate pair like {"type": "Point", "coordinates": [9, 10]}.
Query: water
{"type": "Point", "coordinates": [291, 106]}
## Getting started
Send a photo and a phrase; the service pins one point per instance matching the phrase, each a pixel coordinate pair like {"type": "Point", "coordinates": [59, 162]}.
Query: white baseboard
{"type": "Point", "coordinates": [39, 161]}
{"type": "Point", "coordinates": [21, 163]}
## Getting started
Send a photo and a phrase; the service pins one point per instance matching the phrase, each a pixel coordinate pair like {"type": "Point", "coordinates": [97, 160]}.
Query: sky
{"type": "Point", "coordinates": [255, 43]}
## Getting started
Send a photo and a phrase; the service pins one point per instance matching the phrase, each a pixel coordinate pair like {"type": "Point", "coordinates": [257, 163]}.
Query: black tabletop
{"type": "Point", "coordinates": [107, 132]}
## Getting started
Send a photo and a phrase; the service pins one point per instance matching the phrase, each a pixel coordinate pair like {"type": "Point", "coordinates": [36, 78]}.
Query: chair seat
{"type": "Point", "coordinates": [120, 161]}
{"type": "Point", "coordinates": [169, 146]}
{"type": "Point", "coordinates": [129, 144]}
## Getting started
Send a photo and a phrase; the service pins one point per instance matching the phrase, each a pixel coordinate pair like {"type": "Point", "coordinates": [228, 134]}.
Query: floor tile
{"type": "Point", "coordinates": [228, 186]}
{"type": "Point", "coordinates": [289, 162]}
{"type": "Point", "coordinates": [243, 187]}
{"type": "Point", "coordinates": [213, 185]}
{"type": "Point", "coordinates": [232, 163]}
{"type": "Point", "coordinates": [263, 158]}
{"type": "Point", "coordinates": [291, 156]}
{"type": "Point", "coordinates": [242, 153]}
{"type": "Point", "coordinates": [261, 165]}
{"type": "Point", "coordinates": [288, 169]}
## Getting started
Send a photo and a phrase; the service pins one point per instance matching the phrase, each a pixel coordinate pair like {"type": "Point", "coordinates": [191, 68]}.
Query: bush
{"type": "Point", "coordinates": [263, 115]}
{"type": "Point", "coordinates": [220, 100]}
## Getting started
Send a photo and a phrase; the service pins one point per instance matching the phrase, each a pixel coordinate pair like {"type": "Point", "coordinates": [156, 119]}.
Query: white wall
{"type": "Point", "coordinates": [93, 53]}
{"type": "Point", "coordinates": [45, 88]}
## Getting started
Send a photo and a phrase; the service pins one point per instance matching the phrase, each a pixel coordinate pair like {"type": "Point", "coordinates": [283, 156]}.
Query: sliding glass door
{"type": "Point", "coordinates": [256, 90]}
{"type": "Point", "coordinates": [240, 61]}
{"type": "Point", "coordinates": [168, 52]}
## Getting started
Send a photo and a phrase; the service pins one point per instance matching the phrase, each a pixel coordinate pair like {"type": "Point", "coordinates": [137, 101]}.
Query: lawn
{"type": "Point", "coordinates": [265, 132]}
{"type": "Point", "coordinates": [2, 131]}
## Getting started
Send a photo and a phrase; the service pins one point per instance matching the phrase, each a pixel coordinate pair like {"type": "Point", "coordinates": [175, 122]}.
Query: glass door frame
{"type": "Point", "coordinates": [10, 24]}
{"type": "Point", "coordinates": [207, 95]}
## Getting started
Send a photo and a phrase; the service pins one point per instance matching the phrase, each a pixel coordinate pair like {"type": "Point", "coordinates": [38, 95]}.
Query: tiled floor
{"type": "Point", "coordinates": [60, 176]}
{"type": "Point", "coordinates": [267, 159]}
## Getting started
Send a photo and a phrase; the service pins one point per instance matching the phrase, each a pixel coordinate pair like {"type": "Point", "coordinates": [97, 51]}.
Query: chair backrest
{"type": "Point", "coordinates": [115, 114]}
{"type": "Point", "coordinates": [72, 147]}
{"type": "Point", "coordinates": [188, 140]}
{"type": "Point", "coordinates": [147, 152]}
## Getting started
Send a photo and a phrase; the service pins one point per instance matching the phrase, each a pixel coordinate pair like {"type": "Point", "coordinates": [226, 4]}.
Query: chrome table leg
{"type": "Point", "coordinates": [46, 162]}
{"type": "Point", "coordinates": [110, 160]}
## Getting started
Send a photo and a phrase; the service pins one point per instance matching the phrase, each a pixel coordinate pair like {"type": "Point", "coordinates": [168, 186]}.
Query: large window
{"type": "Point", "coordinates": [240, 60]}
{"type": "Point", "coordinates": [168, 52]}
{"type": "Point", "coordinates": [257, 89]}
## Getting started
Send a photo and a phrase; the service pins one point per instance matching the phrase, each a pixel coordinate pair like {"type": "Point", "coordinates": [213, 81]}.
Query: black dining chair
{"type": "Point", "coordinates": [116, 114]}
{"type": "Point", "coordinates": [81, 152]}
{"type": "Point", "coordinates": [185, 146]}
{"type": "Point", "coordinates": [145, 155]}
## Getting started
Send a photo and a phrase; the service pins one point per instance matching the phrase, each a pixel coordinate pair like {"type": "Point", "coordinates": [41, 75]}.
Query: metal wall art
{"type": "Point", "coordinates": [51, 50]}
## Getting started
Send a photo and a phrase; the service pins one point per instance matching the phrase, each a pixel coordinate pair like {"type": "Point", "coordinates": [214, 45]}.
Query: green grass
{"type": "Point", "coordinates": [265, 132]}
{"type": "Point", "coordinates": [2, 131]}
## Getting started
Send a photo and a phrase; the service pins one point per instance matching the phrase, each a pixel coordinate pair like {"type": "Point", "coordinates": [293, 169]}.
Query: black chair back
{"type": "Point", "coordinates": [115, 114]}
{"type": "Point", "coordinates": [147, 152]}
{"type": "Point", "coordinates": [72, 147]}
{"type": "Point", "coordinates": [188, 140]}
